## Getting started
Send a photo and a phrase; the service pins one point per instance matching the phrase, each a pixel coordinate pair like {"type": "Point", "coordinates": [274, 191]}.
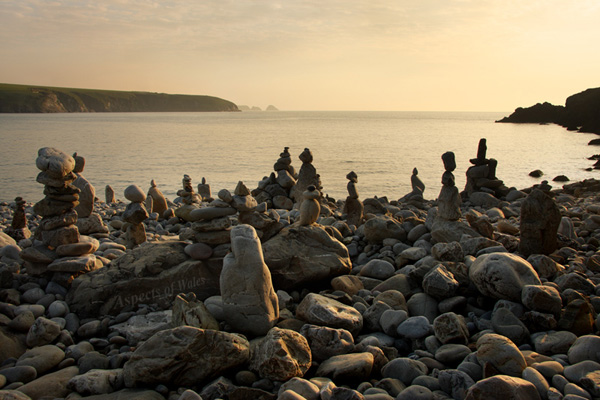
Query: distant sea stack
{"type": "Point", "coordinates": [580, 113]}
{"type": "Point", "coordinates": [41, 99]}
{"type": "Point", "coordinates": [256, 108]}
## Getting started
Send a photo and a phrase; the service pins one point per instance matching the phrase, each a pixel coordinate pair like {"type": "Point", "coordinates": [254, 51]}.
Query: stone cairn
{"type": "Point", "coordinates": [310, 207]}
{"type": "Point", "coordinates": [189, 199]}
{"type": "Point", "coordinates": [275, 189]}
{"type": "Point", "coordinates": [159, 202]}
{"type": "Point", "coordinates": [415, 197]}
{"type": "Point", "coordinates": [481, 176]}
{"type": "Point", "coordinates": [306, 177]}
{"type": "Point", "coordinates": [63, 252]}
{"type": "Point", "coordinates": [134, 215]}
{"type": "Point", "coordinates": [353, 207]}
{"type": "Point", "coordinates": [109, 194]}
{"type": "Point", "coordinates": [18, 229]}
{"type": "Point", "coordinates": [88, 222]}
{"type": "Point", "coordinates": [540, 219]}
{"type": "Point", "coordinates": [449, 200]}
{"type": "Point", "coordinates": [204, 191]}
{"type": "Point", "coordinates": [250, 304]}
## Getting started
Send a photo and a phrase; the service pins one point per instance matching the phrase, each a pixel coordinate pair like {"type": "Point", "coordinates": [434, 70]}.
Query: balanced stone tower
{"type": "Point", "coordinates": [353, 207]}
{"type": "Point", "coordinates": [310, 208]}
{"type": "Point", "coordinates": [204, 191]}
{"type": "Point", "coordinates": [481, 176]}
{"type": "Point", "coordinates": [159, 203]}
{"type": "Point", "coordinates": [134, 215]}
{"type": "Point", "coordinates": [306, 177]}
{"type": "Point", "coordinates": [18, 229]}
{"type": "Point", "coordinates": [88, 222]}
{"type": "Point", "coordinates": [415, 197]}
{"type": "Point", "coordinates": [275, 189]}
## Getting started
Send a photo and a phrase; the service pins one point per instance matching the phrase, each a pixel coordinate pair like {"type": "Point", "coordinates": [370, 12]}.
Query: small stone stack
{"type": "Point", "coordinates": [449, 199]}
{"type": "Point", "coordinates": [310, 208]}
{"type": "Point", "coordinates": [159, 203]}
{"type": "Point", "coordinates": [415, 197]}
{"type": "Point", "coordinates": [135, 214]}
{"type": "Point", "coordinates": [275, 189]}
{"type": "Point", "coordinates": [306, 177]}
{"type": "Point", "coordinates": [191, 200]}
{"type": "Point", "coordinates": [481, 176]}
{"type": "Point", "coordinates": [204, 191]}
{"type": "Point", "coordinates": [353, 207]}
{"type": "Point", "coordinates": [18, 229]}
{"type": "Point", "coordinates": [88, 222]}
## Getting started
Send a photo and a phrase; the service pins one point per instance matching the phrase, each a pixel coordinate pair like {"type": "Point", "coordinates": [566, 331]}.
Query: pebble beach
{"type": "Point", "coordinates": [276, 291]}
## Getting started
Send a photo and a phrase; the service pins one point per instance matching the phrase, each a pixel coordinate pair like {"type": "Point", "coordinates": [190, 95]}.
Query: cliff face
{"type": "Point", "coordinates": [581, 112]}
{"type": "Point", "coordinates": [34, 99]}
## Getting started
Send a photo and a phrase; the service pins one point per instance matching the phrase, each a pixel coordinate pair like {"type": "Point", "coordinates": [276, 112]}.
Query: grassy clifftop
{"type": "Point", "coordinates": [42, 99]}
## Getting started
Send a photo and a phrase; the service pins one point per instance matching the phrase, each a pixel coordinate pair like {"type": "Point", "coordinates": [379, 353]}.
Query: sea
{"type": "Point", "coordinates": [122, 149]}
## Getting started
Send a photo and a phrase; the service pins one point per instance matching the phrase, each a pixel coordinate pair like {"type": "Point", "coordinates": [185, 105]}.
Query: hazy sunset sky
{"type": "Point", "coordinates": [430, 55]}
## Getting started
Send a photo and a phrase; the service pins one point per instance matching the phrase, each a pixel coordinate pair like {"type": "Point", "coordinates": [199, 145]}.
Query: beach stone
{"type": "Point", "coordinates": [505, 323]}
{"type": "Point", "coordinates": [553, 342]}
{"type": "Point", "coordinates": [249, 300]}
{"type": "Point", "coordinates": [541, 384]}
{"type": "Point", "coordinates": [404, 369]}
{"type": "Point", "coordinates": [540, 218]}
{"type": "Point", "coordinates": [501, 353]}
{"type": "Point", "coordinates": [52, 385]}
{"type": "Point", "coordinates": [452, 354]}
{"type": "Point", "coordinates": [347, 367]}
{"type": "Point", "coordinates": [350, 284]}
{"type": "Point", "coordinates": [415, 392]}
{"type": "Point", "coordinates": [502, 275]}
{"type": "Point", "coordinates": [134, 194]}
{"type": "Point", "coordinates": [60, 236]}
{"type": "Point", "coordinates": [109, 194]}
{"type": "Point", "coordinates": [54, 162]}
{"type": "Point", "coordinates": [303, 387]}
{"type": "Point", "coordinates": [87, 195]}
{"type": "Point", "coordinates": [96, 382]}
{"type": "Point", "coordinates": [140, 328]}
{"type": "Point", "coordinates": [153, 273]}
{"type": "Point", "coordinates": [591, 383]}
{"type": "Point", "coordinates": [81, 248]}
{"type": "Point", "coordinates": [451, 328]}
{"type": "Point", "coordinates": [422, 304]}
{"type": "Point", "coordinates": [320, 310]}
{"type": "Point", "coordinates": [198, 251]}
{"type": "Point", "coordinates": [159, 202]}
{"type": "Point", "coordinates": [575, 281]}
{"type": "Point", "coordinates": [372, 315]}
{"type": "Point", "coordinates": [32, 295]}
{"type": "Point", "coordinates": [285, 179]}
{"type": "Point", "coordinates": [304, 254]}
{"type": "Point", "coordinates": [43, 331]}
{"type": "Point", "coordinates": [414, 327]}
{"type": "Point", "coordinates": [451, 251]}
{"type": "Point", "coordinates": [190, 312]}
{"type": "Point", "coordinates": [503, 386]}
{"type": "Point", "coordinates": [326, 342]}
{"type": "Point", "coordinates": [451, 231]}
{"type": "Point", "coordinates": [382, 227]}
{"type": "Point", "coordinates": [22, 322]}
{"type": "Point", "coordinates": [309, 208]}
{"type": "Point", "coordinates": [455, 382]}
{"type": "Point", "coordinates": [390, 319]}
{"type": "Point", "coordinates": [75, 264]}
{"type": "Point", "coordinates": [91, 224]}
{"type": "Point", "coordinates": [440, 283]}
{"type": "Point", "coordinates": [542, 298]}
{"type": "Point", "coordinates": [281, 355]}
{"type": "Point", "coordinates": [378, 269]}
{"type": "Point", "coordinates": [38, 254]}
{"type": "Point", "coordinates": [577, 371]}
{"type": "Point", "coordinates": [42, 358]}
{"type": "Point", "coordinates": [201, 353]}
{"type": "Point", "coordinates": [545, 266]}
{"type": "Point", "coordinates": [23, 373]}
{"type": "Point", "coordinates": [210, 225]}
{"type": "Point", "coordinates": [208, 213]}
{"type": "Point", "coordinates": [585, 347]}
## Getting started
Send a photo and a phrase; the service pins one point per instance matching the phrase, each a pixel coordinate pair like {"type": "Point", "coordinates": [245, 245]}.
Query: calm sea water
{"type": "Point", "coordinates": [381, 147]}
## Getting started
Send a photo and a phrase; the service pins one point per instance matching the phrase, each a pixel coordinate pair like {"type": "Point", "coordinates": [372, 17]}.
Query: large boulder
{"type": "Point", "coordinates": [249, 300]}
{"type": "Point", "coordinates": [383, 227]}
{"type": "Point", "coordinates": [185, 356]}
{"type": "Point", "coordinates": [305, 254]}
{"type": "Point", "coordinates": [502, 275]}
{"type": "Point", "coordinates": [151, 274]}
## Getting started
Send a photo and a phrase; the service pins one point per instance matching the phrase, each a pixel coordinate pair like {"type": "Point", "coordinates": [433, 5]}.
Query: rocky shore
{"type": "Point", "coordinates": [280, 292]}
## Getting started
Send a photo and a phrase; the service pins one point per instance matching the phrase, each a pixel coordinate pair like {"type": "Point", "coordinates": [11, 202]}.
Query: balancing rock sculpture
{"type": "Point", "coordinates": [159, 203]}
{"type": "Point", "coordinates": [135, 214]}
{"type": "Point", "coordinates": [353, 207]}
{"type": "Point", "coordinates": [18, 229]}
{"type": "Point", "coordinates": [310, 208]}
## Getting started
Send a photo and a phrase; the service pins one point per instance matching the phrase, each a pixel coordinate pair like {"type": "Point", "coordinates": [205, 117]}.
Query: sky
{"type": "Point", "coordinates": [371, 55]}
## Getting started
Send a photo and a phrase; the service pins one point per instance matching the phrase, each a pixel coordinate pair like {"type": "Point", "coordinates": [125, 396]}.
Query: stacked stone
{"type": "Point", "coordinates": [88, 222]}
{"type": "Point", "coordinates": [63, 252]}
{"type": "Point", "coordinates": [306, 177]}
{"type": "Point", "coordinates": [353, 207]}
{"type": "Point", "coordinates": [109, 194]}
{"type": "Point", "coordinates": [310, 208]}
{"type": "Point", "coordinates": [415, 197]}
{"type": "Point", "coordinates": [481, 176]}
{"type": "Point", "coordinates": [18, 229]}
{"type": "Point", "coordinates": [159, 203]}
{"type": "Point", "coordinates": [204, 191]}
{"type": "Point", "coordinates": [190, 200]}
{"type": "Point", "coordinates": [135, 214]}
{"type": "Point", "coordinates": [275, 189]}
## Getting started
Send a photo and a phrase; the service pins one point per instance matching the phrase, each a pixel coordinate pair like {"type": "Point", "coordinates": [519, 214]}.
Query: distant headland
{"type": "Point", "coordinates": [581, 112]}
{"type": "Point", "coordinates": [43, 99]}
